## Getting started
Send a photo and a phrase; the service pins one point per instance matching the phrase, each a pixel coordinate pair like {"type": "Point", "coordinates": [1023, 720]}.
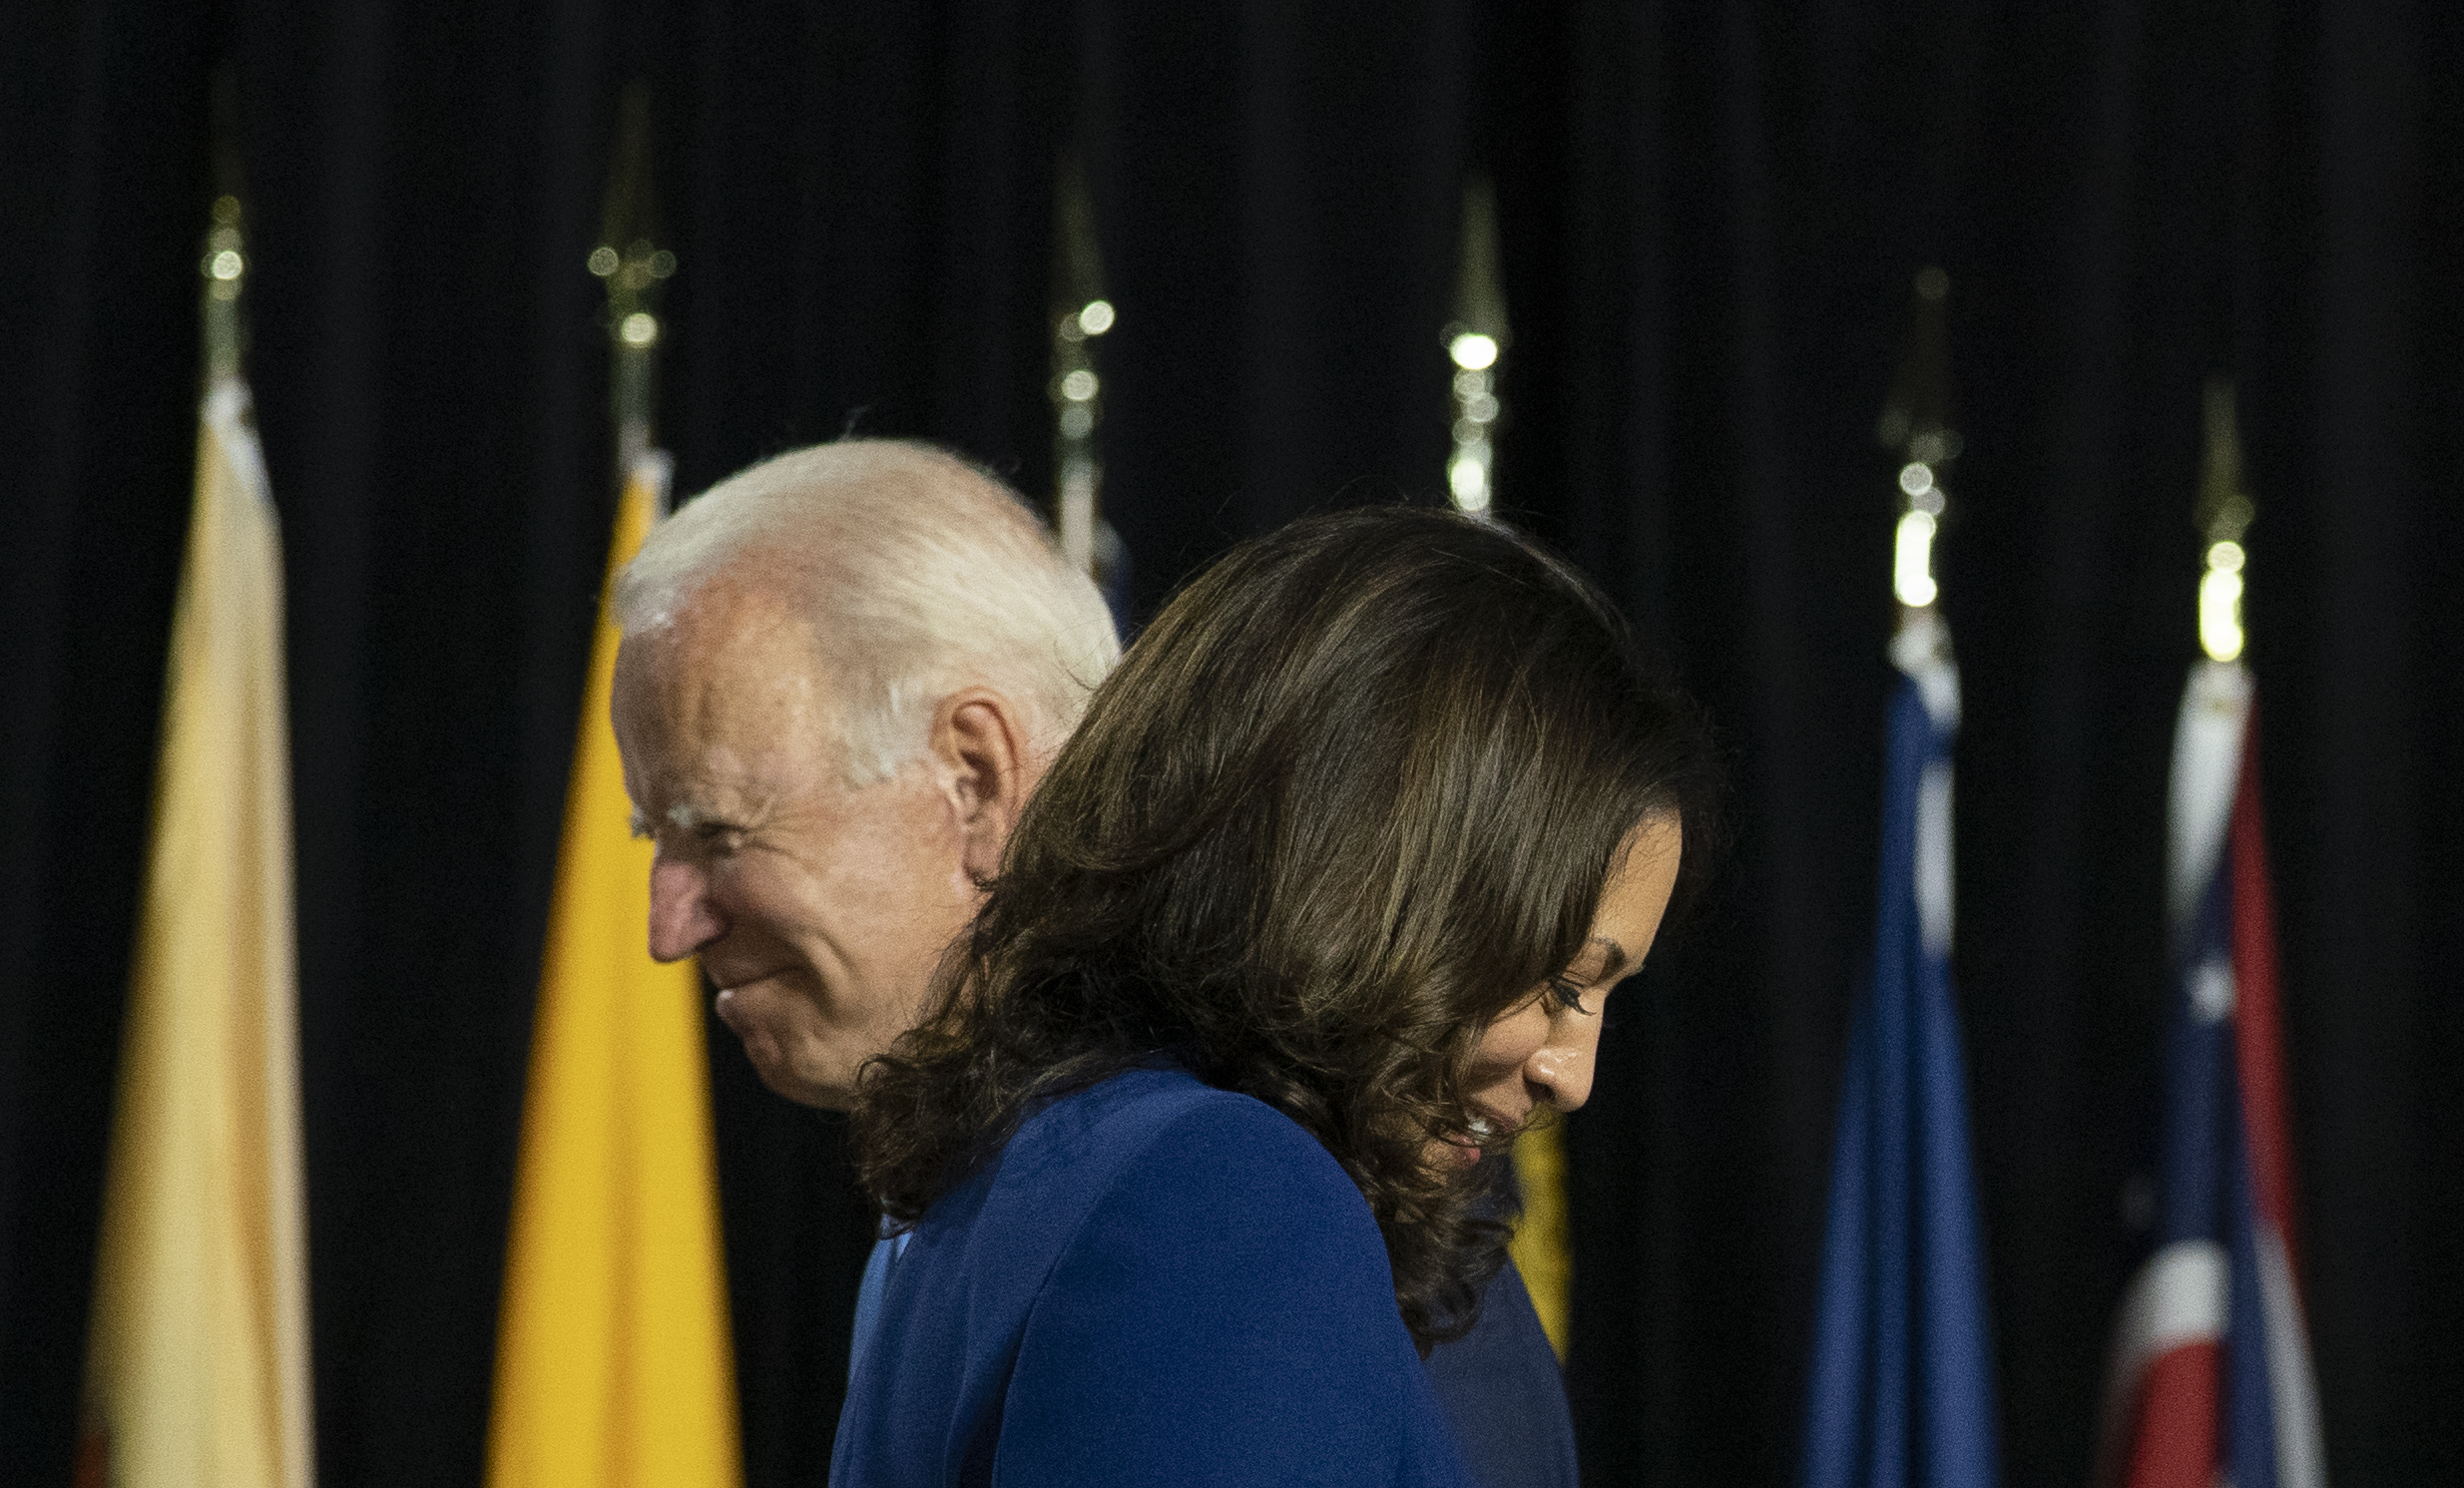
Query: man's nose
{"type": "Point", "coordinates": [683, 919]}
{"type": "Point", "coordinates": [1560, 1071]}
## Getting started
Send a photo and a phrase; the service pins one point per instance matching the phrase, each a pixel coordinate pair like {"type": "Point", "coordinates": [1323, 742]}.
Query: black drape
{"type": "Point", "coordinates": [1710, 216]}
{"type": "Point", "coordinates": [103, 177]}
{"type": "Point", "coordinates": [1276, 187]}
{"type": "Point", "coordinates": [431, 391]}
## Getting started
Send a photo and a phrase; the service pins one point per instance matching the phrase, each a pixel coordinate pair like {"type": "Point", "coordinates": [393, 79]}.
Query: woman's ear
{"type": "Point", "coordinates": [979, 740]}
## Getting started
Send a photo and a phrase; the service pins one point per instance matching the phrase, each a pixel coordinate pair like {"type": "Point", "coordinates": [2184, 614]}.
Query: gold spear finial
{"type": "Point", "coordinates": [225, 262]}
{"type": "Point", "coordinates": [1080, 315]}
{"type": "Point", "coordinates": [2224, 513]}
{"type": "Point", "coordinates": [1917, 422]}
{"type": "Point", "coordinates": [1474, 344]}
{"type": "Point", "coordinates": [635, 269]}
{"type": "Point", "coordinates": [223, 266]}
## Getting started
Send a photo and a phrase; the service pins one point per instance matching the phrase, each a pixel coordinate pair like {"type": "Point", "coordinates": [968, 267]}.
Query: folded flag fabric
{"type": "Point", "coordinates": [1901, 1390]}
{"type": "Point", "coordinates": [2210, 1378]}
{"type": "Point", "coordinates": [1543, 1248]}
{"type": "Point", "coordinates": [196, 1372]}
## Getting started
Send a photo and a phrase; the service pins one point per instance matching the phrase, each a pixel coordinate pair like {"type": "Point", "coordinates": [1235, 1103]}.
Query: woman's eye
{"type": "Point", "coordinates": [1566, 995]}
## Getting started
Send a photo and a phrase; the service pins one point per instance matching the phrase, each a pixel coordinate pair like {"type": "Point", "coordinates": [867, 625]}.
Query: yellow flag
{"type": "Point", "coordinates": [1542, 1246]}
{"type": "Point", "coordinates": [613, 1358]}
{"type": "Point", "coordinates": [197, 1370]}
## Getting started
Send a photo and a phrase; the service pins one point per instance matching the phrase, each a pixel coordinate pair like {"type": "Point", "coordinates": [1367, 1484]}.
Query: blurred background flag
{"type": "Point", "coordinates": [197, 1370]}
{"type": "Point", "coordinates": [614, 1363]}
{"type": "Point", "coordinates": [1475, 341]}
{"type": "Point", "coordinates": [2210, 1378]}
{"type": "Point", "coordinates": [1901, 1386]}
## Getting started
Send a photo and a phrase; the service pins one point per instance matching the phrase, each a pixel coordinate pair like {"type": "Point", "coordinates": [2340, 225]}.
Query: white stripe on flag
{"type": "Point", "coordinates": [2178, 1297]}
{"type": "Point", "coordinates": [1921, 648]}
{"type": "Point", "coordinates": [2301, 1458]}
{"type": "Point", "coordinates": [2206, 762]}
{"type": "Point", "coordinates": [1933, 858]}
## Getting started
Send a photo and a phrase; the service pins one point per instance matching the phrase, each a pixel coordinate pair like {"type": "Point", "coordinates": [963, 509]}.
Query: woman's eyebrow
{"type": "Point", "coordinates": [1614, 961]}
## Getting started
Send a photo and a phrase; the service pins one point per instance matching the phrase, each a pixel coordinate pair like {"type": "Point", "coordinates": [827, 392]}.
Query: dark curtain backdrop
{"type": "Point", "coordinates": [1710, 215]}
{"type": "Point", "coordinates": [102, 166]}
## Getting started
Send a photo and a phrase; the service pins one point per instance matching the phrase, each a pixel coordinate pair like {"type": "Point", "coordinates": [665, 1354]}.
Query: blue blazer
{"type": "Point", "coordinates": [1156, 1281]}
{"type": "Point", "coordinates": [1505, 1397]}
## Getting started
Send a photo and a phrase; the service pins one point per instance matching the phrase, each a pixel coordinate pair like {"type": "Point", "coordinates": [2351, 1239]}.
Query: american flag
{"type": "Point", "coordinates": [2211, 1380]}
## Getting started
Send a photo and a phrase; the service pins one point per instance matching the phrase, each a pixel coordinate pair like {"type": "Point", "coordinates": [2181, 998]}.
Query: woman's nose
{"type": "Point", "coordinates": [1560, 1070]}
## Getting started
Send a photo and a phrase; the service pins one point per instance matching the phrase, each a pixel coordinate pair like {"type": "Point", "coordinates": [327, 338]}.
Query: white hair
{"type": "Point", "coordinates": [920, 575]}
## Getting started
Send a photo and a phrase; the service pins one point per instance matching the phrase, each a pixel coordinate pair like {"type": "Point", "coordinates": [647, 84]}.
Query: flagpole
{"type": "Point", "coordinates": [1474, 344]}
{"type": "Point", "coordinates": [1081, 317]}
{"type": "Point", "coordinates": [1917, 422]}
{"type": "Point", "coordinates": [1901, 1380]}
{"type": "Point", "coordinates": [636, 270]}
{"type": "Point", "coordinates": [226, 260]}
{"type": "Point", "coordinates": [2224, 513]}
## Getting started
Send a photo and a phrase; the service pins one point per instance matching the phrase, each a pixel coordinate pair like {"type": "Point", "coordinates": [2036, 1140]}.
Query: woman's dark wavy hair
{"type": "Point", "coordinates": [1352, 795]}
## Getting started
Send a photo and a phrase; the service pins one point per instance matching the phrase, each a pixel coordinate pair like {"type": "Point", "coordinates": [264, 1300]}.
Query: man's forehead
{"type": "Point", "coordinates": [749, 602]}
{"type": "Point", "coordinates": [736, 639]}
{"type": "Point", "coordinates": [725, 692]}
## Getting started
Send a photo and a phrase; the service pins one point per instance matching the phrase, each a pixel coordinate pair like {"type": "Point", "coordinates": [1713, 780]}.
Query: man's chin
{"type": "Point", "coordinates": [799, 1080]}
{"type": "Point", "coordinates": [806, 1080]}
{"type": "Point", "coordinates": [783, 1079]}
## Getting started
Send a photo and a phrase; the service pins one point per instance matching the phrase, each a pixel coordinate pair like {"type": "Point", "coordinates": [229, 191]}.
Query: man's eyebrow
{"type": "Point", "coordinates": [687, 815]}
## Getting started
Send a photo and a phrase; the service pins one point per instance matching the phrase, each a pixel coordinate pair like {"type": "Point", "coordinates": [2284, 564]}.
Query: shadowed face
{"type": "Point", "coordinates": [1542, 1052]}
{"type": "Point", "coordinates": [819, 910]}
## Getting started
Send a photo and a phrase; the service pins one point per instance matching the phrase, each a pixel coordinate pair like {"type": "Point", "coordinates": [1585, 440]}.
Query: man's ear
{"type": "Point", "coordinates": [979, 739]}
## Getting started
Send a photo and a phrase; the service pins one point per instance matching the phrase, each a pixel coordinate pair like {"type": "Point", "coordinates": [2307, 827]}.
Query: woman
{"type": "Point", "coordinates": [1322, 902]}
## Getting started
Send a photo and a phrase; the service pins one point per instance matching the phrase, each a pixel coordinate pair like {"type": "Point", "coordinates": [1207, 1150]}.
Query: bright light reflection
{"type": "Point", "coordinates": [640, 329]}
{"type": "Point", "coordinates": [1096, 318]}
{"type": "Point", "coordinates": [1469, 479]}
{"type": "Point", "coordinates": [2220, 602]}
{"type": "Point", "coordinates": [1912, 563]}
{"type": "Point", "coordinates": [1471, 350]}
{"type": "Point", "coordinates": [1077, 386]}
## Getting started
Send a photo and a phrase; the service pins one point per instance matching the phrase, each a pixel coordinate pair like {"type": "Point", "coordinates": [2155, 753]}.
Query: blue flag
{"type": "Point", "coordinates": [1901, 1391]}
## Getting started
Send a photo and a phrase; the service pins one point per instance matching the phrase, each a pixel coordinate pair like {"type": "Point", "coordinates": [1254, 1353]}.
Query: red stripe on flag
{"type": "Point", "coordinates": [2258, 1024]}
{"type": "Point", "coordinates": [2172, 1442]}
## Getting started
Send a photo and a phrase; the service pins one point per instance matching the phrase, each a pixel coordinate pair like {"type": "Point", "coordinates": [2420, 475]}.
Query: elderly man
{"type": "Point", "coordinates": [843, 671]}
